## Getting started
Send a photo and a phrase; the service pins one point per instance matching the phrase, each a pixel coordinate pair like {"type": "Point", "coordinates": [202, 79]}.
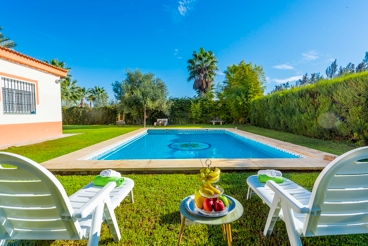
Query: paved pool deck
{"type": "Point", "coordinates": [73, 163]}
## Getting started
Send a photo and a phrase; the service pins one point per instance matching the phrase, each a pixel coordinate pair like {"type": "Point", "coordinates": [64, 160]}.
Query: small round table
{"type": "Point", "coordinates": [224, 221]}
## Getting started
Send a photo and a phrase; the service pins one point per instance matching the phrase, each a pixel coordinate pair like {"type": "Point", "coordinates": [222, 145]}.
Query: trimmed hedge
{"type": "Point", "coordinates": [334, 109]}
{"type": "Point", "coordinates": [90, 116]}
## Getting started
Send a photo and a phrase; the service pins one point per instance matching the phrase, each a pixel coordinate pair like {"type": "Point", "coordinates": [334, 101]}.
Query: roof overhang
{"type": "Point", "coordinates": [16, 57]}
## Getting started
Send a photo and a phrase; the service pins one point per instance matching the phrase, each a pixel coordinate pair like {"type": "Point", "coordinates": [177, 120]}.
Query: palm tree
{"type": "Point", "coordinates": [99, 96]}
{"type": "Point", "coordinates": [6, 42]}
{"type": "Point", "coordinates": [70, 92]}
{"type": "Point", "coordinates": [202, 69]}
{"type": "Point", "coordinates": [83, 94]}
{"type": "Point", "coordinates": [57, 63]}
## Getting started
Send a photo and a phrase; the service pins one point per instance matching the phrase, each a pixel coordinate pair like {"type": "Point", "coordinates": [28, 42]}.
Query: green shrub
{"type": "Point", "coordinates": [90, 116]}
{"type": "Point", "coordinates": [331, 109]}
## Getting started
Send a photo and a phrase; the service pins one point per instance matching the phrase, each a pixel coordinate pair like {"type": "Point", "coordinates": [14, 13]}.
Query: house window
{"type": "Point", "coordinates": [18, 97]}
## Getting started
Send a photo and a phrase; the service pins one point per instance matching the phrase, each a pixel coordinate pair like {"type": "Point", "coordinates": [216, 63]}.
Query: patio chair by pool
{"type": "Point", "coordinates": [35, 206]}
{"type": "Point", "coordinates": [161, 122]}
{"type": "Point", "coordinates": [337, 205]}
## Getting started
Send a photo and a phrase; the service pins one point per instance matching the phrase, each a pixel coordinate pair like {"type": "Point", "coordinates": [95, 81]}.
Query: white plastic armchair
{"type": "Point", "coordinates": [337, 205]}
{"type": "Point", "coordinates": [35, 206]}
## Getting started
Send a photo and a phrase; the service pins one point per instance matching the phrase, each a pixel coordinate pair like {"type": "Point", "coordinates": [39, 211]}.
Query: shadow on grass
{"type": "Point", "coordinates": [170, 218]}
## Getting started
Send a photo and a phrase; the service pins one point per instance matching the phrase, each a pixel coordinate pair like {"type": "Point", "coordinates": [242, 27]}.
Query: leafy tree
{"type": "Point", "coordinates": [6, 42]}
{"type": "Point", "coordinates": [365, 60]}
{"type": "Point", "coordinates": [202, 68]}
{"type": "Point", "coordinates": [98, 96]}
{"type": "Point", "coordinates": [243, 83]}
{"type": "Point", "coordinates": [360, 67]}
{"type": "Point", "coordinates": [195, 111]}
{"type": "Point", "coordinates": [315, 77]}
{"type": "Point", "coordinates": [143, 94]}
{"type": "Point", "coordinates": [332, 70]}
{"type": "Point", "coordinates": [117, 89]}
{"type": "Point", "coordinates": [286, 85]}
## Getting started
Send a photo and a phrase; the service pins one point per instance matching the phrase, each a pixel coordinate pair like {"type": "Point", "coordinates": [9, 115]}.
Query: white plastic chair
{"type": "Point", "coordinates": [337, 205]}
{"type": "Point", "coordinates": [35, 206]}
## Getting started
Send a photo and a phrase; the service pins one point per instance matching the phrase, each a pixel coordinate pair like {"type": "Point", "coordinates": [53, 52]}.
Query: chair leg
{"type": "Point", "coordinates": [294, 236]}
{"type": "Point", "coordinates": [131, 196]}
{"type": "Point", "coordinates": [111, 220]}
{"type": "Point", "coordinates": [94, 234]}
{"type": "Point", "coordinates": [182, 225]}
{"type": "Point", "coordinates": [273, 216]}
{"type": "Point", "coordinates": [249, 193]}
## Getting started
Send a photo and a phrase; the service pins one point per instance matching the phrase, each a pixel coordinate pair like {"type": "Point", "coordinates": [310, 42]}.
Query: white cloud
{"type": "Point", "coordinates": [176, 51]}
{"type": "Point", "coordinates": [185, 6]}
{"type": "Point", "coordinates": [293, 78]}
{"type": "Point", "coordinates": [268, 80]}
{"type": "Point", "coordinates": [283, 66]}
{"type": "Point", "coordinates": [220, 73]}
{"type": "Point", "coordinates": [179, 57]}
{"type": "Point", "coordinates": [310, 55]}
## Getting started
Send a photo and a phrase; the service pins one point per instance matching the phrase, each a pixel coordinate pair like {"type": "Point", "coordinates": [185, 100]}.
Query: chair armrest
{"type": "Point", "coordinates": [87, 208]}
{"type": "Point", "coordinates": [286, 197]}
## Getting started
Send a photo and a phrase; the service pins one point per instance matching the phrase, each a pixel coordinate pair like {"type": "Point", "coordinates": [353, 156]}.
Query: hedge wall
{"type": "Point", "coordinates": [89, 116]}
{"type": "Point", "coordinates": [332, 109]}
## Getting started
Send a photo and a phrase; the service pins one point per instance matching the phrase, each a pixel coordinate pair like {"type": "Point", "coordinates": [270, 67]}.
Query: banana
{"type": "Point", "coordinates": [210, 187]}
{"type": "Point", "coordinates": [207, 171]}
{"type": "Point", "coordinates": [216, 172]}
{"type": "Point", "coordinates": [206, 191]}
{"type": "Point", "coordinates": [211, 180]}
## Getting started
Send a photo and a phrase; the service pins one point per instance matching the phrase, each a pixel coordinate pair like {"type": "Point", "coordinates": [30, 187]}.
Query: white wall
{"type": "Point", "coordinates": [48, 108]}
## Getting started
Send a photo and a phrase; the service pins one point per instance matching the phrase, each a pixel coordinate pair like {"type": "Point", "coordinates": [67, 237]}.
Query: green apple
{"type": "Point", "coordinates": [224, 200]}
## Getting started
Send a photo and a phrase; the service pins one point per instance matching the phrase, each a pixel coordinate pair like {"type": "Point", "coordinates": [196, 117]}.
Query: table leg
{"type": "Point", "coordinates": [182, 224]}
{"type": "Point", "coordinates": [223, 232]}
{"type": "Point", "coordinates": [228, 233]}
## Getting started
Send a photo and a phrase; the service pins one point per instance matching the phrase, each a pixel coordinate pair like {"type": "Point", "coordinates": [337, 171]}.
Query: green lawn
{"type": "Point", "coordinates": [154, 218]}
{"type": "Point", "coordinates": [85, 136]}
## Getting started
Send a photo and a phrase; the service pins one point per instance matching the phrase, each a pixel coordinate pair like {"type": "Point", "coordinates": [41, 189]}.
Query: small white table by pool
{"type": "Point", "coordinates": [224, 221]}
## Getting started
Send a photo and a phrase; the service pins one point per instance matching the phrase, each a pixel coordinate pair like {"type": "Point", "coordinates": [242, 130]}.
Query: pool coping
{"type": "Point", "coordinates": [72, 163]}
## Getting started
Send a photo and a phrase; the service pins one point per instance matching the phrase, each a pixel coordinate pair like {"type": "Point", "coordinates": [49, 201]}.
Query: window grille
{"type": "Point", "coordinates": [18, 97]}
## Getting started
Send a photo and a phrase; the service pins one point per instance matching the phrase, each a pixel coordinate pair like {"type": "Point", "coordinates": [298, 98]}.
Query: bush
{"type": "Point", "coordinates": [90, 116]}
{"type": "Point", "coordinates": [331, 109]}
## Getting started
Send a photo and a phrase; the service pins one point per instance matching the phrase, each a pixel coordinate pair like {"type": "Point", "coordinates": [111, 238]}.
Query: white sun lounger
{"type": "Point", "coordinates": [35, 206]}
{"type": "Point", "coordinates": [338, 203]}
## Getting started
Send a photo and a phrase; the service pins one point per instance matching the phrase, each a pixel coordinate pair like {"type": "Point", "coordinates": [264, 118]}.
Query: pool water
{"type": "Point", "coordinates": [189, 144]}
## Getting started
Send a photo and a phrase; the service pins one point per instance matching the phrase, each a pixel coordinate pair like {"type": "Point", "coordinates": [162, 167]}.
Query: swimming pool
{"type": "Point", "coordinates": [189, 144]}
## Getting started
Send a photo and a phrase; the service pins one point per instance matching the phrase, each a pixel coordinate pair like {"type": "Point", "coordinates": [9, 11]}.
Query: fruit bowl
{"type": "Point", "coordinates": [214, 195]}
{"type": "Point", "coordinates": [213, 213]}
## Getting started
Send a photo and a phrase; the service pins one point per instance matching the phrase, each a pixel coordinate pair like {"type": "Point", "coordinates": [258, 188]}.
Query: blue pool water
{"type": "Point", "coordinates": [188, 144]}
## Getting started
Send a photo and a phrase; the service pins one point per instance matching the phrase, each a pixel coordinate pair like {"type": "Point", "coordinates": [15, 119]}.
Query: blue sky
{"type": "Point", "coordinates": [99, 40]}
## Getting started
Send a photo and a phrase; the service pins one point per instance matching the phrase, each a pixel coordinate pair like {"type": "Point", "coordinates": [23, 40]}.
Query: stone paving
{"type": "Point", "coordinates": [73, 163]}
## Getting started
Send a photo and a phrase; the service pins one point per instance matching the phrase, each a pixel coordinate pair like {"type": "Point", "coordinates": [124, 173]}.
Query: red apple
{"type": "Point", "coordinates": [214, 200]}
{"type": "Point", "coordinates": [207, 204]}
{"type": "Point", "coordinates": [219, 206]}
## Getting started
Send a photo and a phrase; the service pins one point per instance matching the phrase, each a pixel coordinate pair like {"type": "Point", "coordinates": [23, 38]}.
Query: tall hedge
{"type": "Point", "coordinates": [334, 109]}
{"type": "Point", "coordinates": [90, 116]}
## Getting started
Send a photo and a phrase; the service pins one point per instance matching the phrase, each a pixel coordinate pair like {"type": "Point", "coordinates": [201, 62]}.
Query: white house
{"type": "Point", "coordinates": [30, 102]}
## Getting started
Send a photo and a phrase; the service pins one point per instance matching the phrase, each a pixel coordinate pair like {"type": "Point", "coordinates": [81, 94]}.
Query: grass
{"type": "Point", "coordinates": [154, 218]}
{"type": "Point", "coordinates": [85, 136]}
